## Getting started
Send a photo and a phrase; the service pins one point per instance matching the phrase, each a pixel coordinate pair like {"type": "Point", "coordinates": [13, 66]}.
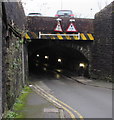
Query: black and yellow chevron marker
{"type": "Point", "coordinates": [76, 38]}
{"type": "Point", "coordinates": [35, 36]}
{"type": "Point", "coordinates": [27, 36]}
{"type": "Point", "coordinates": [87, 36]}
{"type": "Point", "coordinates": [90, 36]}
{"type": "Point", "coordinates": [58, 36]}
{"type": "Point", "coordinates": [52, 37]}
{"type": "Point", "coordinates": [83, 37]}
{"type": "Point", "coordinates": [31, 35]}
{"type": "Point", "coordinates": [68, 37]}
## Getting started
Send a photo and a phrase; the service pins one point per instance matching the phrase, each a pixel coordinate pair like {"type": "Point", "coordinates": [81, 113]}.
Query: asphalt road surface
{"type": "Point", "coordinates": [89, 101]}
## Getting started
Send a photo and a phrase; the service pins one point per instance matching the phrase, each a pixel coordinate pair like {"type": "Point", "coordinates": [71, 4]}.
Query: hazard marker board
{"type": "Point", "coordinates": [71, 28]}
{"type": "Point", "coordinates": [58, 28]}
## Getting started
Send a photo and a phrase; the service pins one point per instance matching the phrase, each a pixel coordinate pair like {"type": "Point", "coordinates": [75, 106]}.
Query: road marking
{"type": "Point", "coordinates": [51, 100]}
{"type": "Point", "coordinates": [80, 116]}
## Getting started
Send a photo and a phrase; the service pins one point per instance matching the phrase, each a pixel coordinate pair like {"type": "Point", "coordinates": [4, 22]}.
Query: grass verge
{"type": "Point", "coordinates": [19, 104]}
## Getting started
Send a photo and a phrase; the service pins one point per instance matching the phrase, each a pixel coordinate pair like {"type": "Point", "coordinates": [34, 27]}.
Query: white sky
{"type": "Point", "coordinates": [80, 8]}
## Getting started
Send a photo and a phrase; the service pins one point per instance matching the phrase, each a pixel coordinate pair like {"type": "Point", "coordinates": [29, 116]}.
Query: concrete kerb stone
{"type": "Point", "coordinates": [92, 83]}
{"type": "Point", "coordinates": [68, 77]}
{"type": "Point", "coordinates": [85, 82]}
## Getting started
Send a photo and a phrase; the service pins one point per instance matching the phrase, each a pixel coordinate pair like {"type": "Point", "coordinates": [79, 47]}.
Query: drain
{"type": "Point", "coordinates": [51, 110]}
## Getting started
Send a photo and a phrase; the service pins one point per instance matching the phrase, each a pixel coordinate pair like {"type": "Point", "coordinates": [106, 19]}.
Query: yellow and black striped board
{"type": "Point", "coordinates": [58, 36]}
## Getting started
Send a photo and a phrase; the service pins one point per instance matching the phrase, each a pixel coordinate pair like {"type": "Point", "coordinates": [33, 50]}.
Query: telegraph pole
{"type": "Point", "coordinates": [61, 4]}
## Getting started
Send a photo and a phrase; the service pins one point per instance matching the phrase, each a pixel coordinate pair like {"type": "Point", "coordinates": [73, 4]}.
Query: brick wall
{"type": "Point", "coordinates": [102, 46]}
{"type": "Point", "coordinates": [48, 24]}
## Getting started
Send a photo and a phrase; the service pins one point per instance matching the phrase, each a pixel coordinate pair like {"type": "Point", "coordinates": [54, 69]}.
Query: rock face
{"type": "Point", "coordinates": [13, 57]}
{"type": "Point", "coordinates": [103, 44]}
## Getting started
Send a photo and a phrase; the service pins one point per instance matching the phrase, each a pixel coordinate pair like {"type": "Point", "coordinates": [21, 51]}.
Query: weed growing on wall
{"type": "Point", "coordinates": [19, 104]}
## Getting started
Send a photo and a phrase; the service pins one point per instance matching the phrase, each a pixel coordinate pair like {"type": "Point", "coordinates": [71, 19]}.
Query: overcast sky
{"type": "Point", "coordinates": [80, 8]}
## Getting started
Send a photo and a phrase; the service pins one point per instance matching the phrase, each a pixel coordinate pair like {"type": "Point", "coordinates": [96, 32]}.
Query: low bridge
{"type": "Point", "coordinates": [90, 46]}
{"type": "Point", "coordinates": [73, 46]}
{"type": "Point", "coordinates": [45, 28]}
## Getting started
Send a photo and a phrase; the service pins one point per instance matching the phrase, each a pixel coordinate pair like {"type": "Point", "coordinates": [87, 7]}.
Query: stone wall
{"type": "Point", "coordinates": [13, 59]}
{"type": "Point", "coordinates": [0, 60]}
{"type": "Point", "coordinates": [102, 46]}
{"type": "Point", "coordinates": [113, 42]}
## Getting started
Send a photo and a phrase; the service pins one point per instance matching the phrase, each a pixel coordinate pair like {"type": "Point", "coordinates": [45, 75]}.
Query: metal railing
{"type": "Point", "coordinates": [77, 35]}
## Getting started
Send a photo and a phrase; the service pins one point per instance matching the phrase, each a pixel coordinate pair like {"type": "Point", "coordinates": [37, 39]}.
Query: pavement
{"type": "Point", "coordinates": [86, 81]}
{"type": "Point", "coordinates": [93, 82]}
{"type": "Point", "coordinates": [38, 107]}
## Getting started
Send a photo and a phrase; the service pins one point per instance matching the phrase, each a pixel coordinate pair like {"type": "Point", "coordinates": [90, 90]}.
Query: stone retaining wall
{"type": "Point", "coordinates": [102, 46]}
{"type": "Point", "coordinates": [13, 50]}
{"type": "Point", "coordinates": [0, 60]}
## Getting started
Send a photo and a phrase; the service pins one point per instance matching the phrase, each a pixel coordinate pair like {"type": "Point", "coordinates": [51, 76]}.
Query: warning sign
{"type": "Point", "coordinates": [71, 28]}
{"type": "Point", "coordinates": [58, 28]}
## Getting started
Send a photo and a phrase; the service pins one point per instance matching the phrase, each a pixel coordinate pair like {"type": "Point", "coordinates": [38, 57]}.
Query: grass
{"type": "Point", "coordinates": [19, 104]}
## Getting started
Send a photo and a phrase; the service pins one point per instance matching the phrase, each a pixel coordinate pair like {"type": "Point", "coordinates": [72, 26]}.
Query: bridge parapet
{"type": "Point", "coordinates": [45, 28]}
{"type": "Point", "coordinates": [48, 24]}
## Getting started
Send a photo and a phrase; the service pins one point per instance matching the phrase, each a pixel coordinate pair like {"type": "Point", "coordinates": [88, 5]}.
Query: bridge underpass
{"type": "Point", "coordinates": [69, 50]}
{"type": "Point", "coordinates": [52, 55]}
{"type": "Point", "coordinates": [43, 57]}
{"type": "Point", "coordinates": [14, 60]}
{"type": "Point", "coordinates": [86, 97]}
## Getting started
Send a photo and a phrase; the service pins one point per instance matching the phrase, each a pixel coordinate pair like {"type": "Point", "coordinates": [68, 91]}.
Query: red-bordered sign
{"type": "Point", "coordinates": [71, 28]}
{"type": "Point", "coordinates": [58, 28]}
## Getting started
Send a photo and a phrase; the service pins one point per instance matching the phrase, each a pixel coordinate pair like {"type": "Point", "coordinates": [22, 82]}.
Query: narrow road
{"type": "Point", "coordinates": [89, 101]}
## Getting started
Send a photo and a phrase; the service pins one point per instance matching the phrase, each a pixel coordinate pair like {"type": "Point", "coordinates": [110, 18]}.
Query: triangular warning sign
{"type": "Point", "coordinates": [71, 28]}
{"type": "Point", "coordinates": [58, 28]}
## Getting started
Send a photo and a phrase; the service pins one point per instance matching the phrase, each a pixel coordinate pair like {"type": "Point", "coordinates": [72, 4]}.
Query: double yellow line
{"type": "Point", "coordinates": [57, 102]}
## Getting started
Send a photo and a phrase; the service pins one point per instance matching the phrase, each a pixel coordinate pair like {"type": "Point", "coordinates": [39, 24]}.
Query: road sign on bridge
{"type": "Point", "coordinates": [71, 28]}
{"type": "Point", "coordinates": [58, 28]}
